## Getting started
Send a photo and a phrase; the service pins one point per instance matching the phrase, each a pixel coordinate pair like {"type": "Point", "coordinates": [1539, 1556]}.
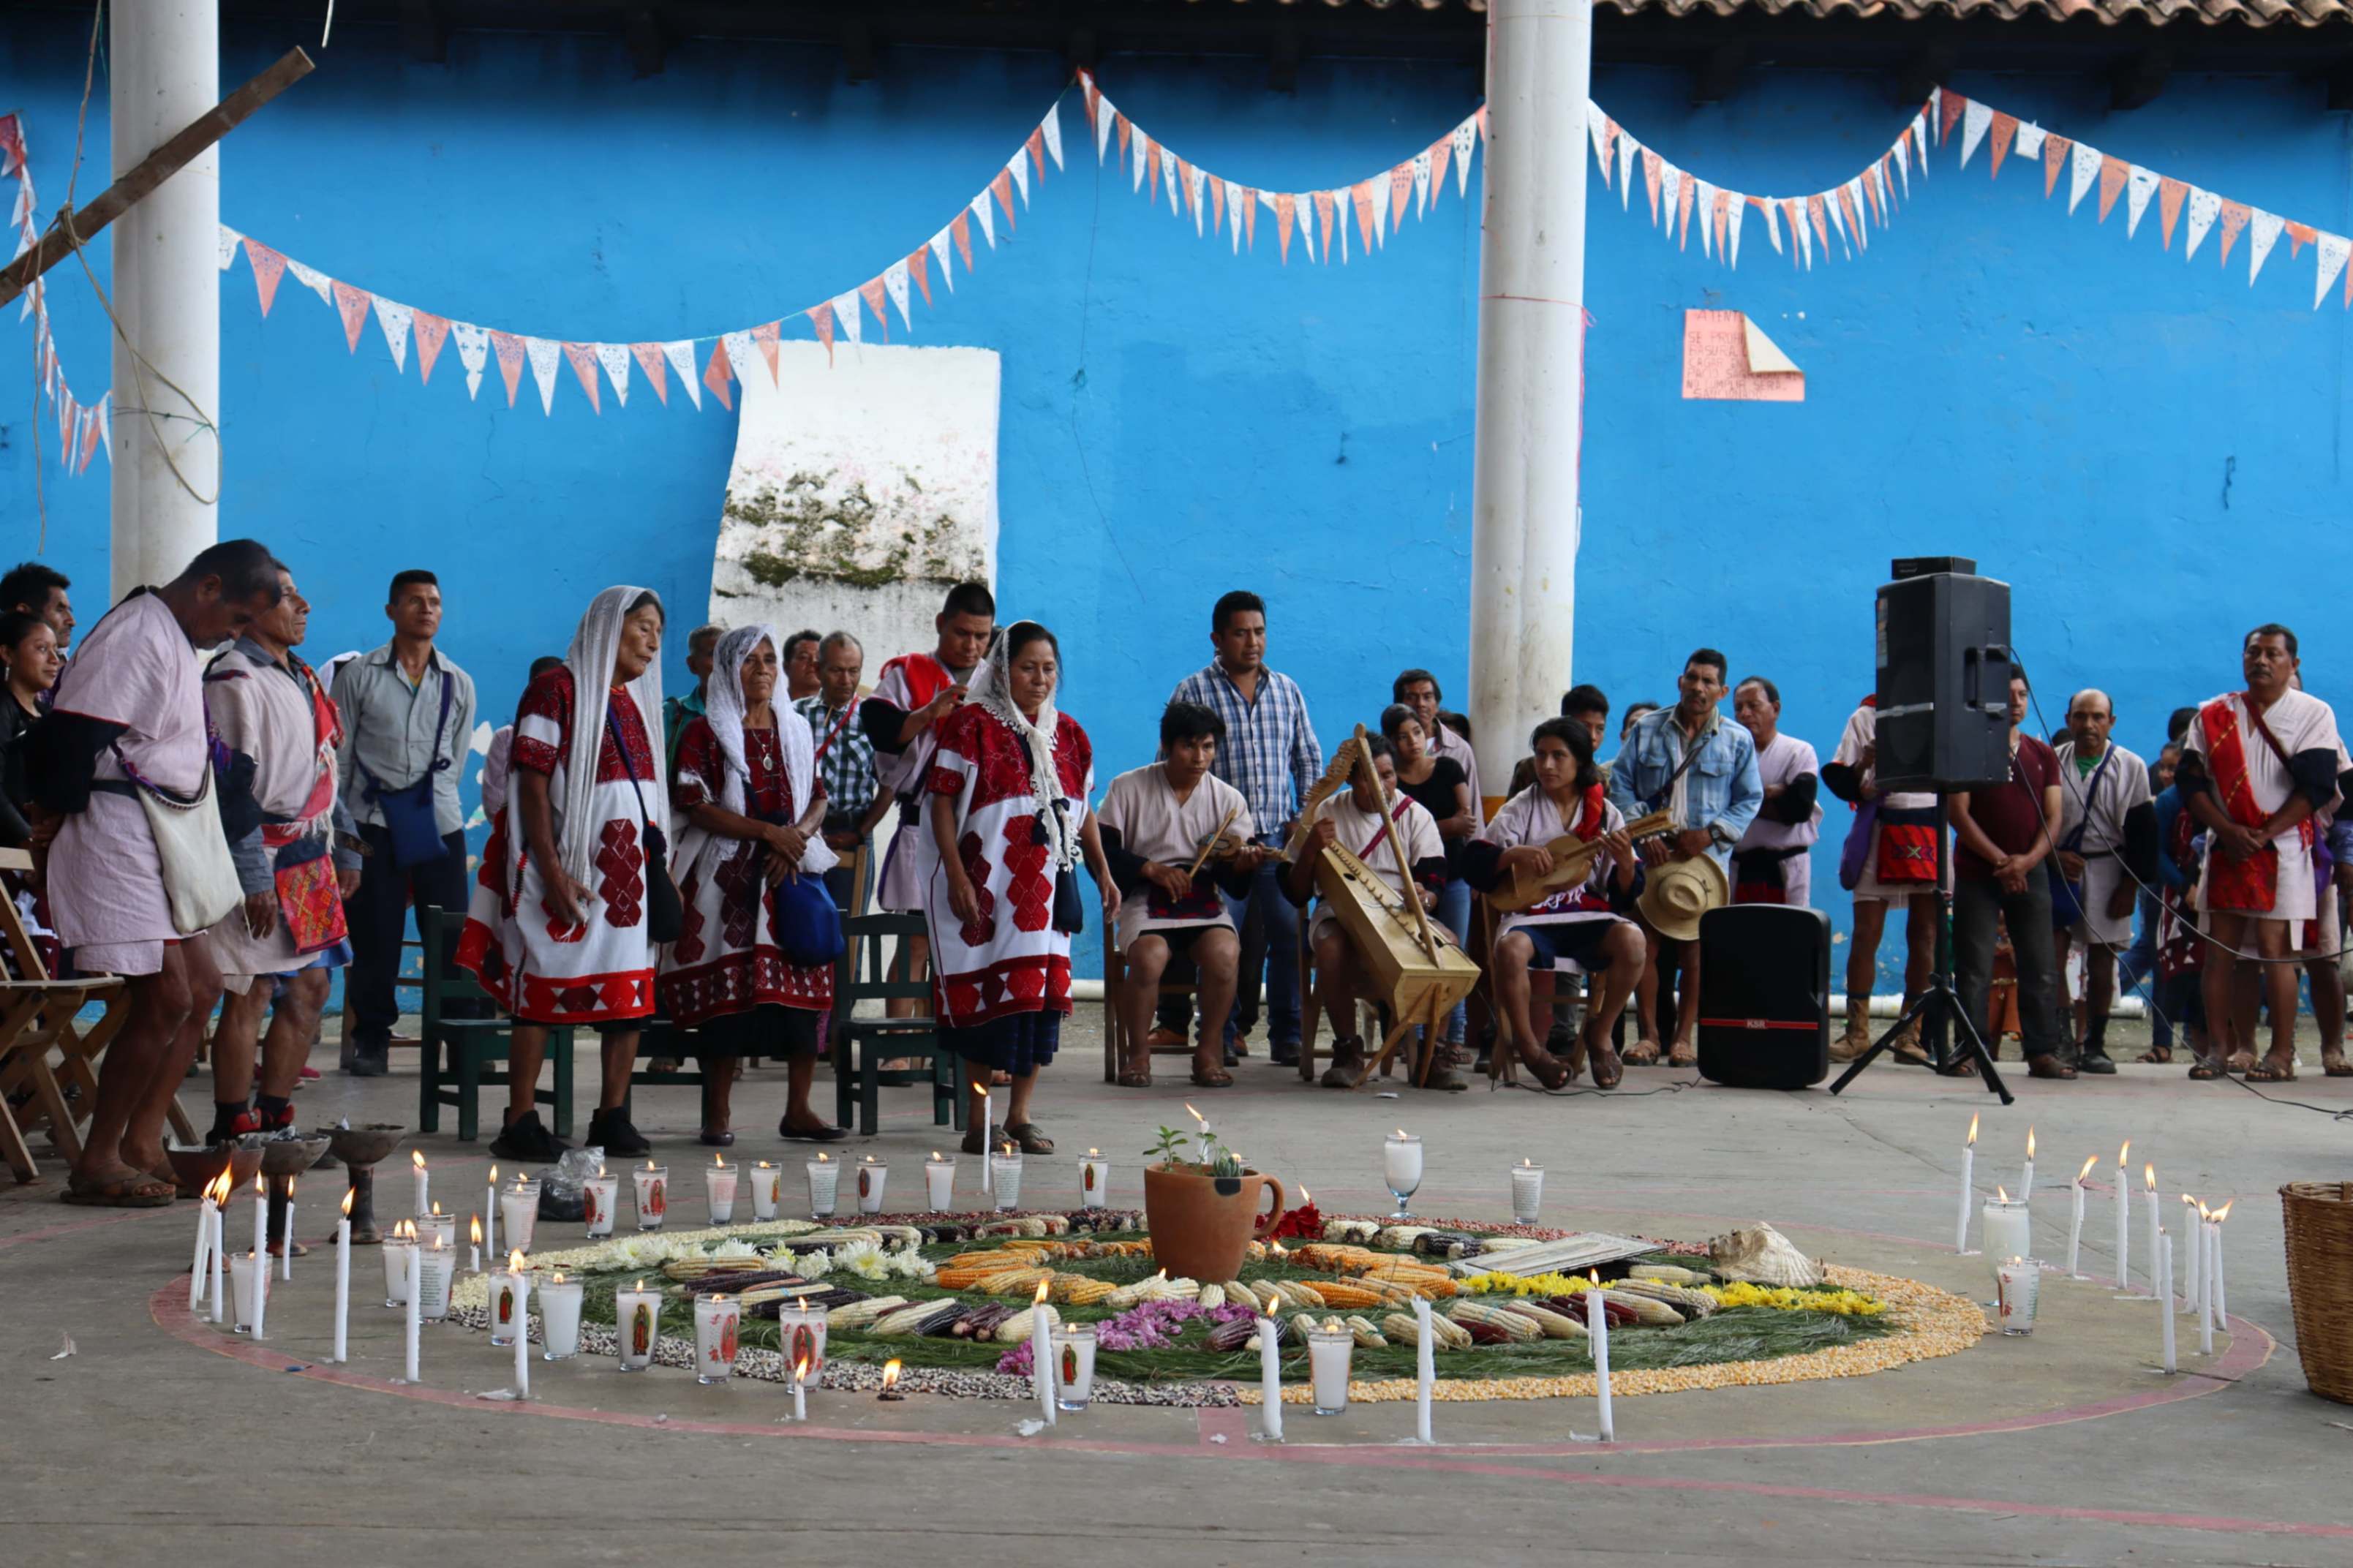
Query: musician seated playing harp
{"type": "Point", "coordinates": [1356, 821]}
{"type": "Point", "coordinates": [1583, 923]}
{"type": "Point", "coordinates": [1158, 824]}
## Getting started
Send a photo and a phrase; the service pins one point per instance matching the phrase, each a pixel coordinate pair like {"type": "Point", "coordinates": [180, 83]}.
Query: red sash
{"type": "Point", "coordinates": [2249, 886]}
{"type": "Point", "coordinates": [1375, 842]}
{"type": "Point", "coordinates": [847, 713]}
{"type": "Point", "coordinates": [1592, 814]}
{"type": "Point", "coordinates": [927, 678]}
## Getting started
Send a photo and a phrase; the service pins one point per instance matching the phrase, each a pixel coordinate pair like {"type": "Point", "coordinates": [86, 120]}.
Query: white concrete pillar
{"type": "Point", "coordinates": [1523, 493]}
{"type": "Point", "coordinates": [163, 64]}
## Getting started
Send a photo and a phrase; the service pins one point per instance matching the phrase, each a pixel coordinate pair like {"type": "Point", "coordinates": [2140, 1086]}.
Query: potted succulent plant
{"type": "Point", "coordinates": [1203, 1214]}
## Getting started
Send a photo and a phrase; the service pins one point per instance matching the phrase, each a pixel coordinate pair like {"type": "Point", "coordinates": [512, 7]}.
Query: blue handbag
{"type": "Point", "coordinates": [808, 923]}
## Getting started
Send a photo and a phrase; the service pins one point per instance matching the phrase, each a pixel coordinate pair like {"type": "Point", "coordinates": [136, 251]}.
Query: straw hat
{"type": "Point", "coordinates": [1676, 893]}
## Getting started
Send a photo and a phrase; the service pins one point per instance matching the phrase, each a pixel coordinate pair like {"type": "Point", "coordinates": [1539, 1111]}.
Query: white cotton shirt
{"type": "Point", "coordinates": [1154, 823]}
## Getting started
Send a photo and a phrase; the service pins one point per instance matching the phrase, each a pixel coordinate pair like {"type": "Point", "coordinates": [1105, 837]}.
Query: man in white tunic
{"type": "Point", "coordinates": [1896, 864]}
{"type": "Point", "coordinates": [2257, 764]}
{"type": "Point", "coordinates": [2106, 852]}
{"type": "Point", "coordinates": [1773, 862]}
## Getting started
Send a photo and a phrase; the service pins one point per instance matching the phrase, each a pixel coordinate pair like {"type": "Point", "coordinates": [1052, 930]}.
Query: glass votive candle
{"type": "Point", "coordinates": [1329, 1351]}
{"type": "Point", "coordinates": [398, 1258]}
{"type": "Point", "coordinates": [939, 1182]}
{"type": "Point", "coordinates": [720, 1182]}
{"type": "Point", "coordinates": [636, 1326]}
{"type": "Point", "coordinates": [653, 1195]}
{"type": "Point", "coordinates": [1005, 1171]}
{"type": "Point", "coordinates": [2017, 1287]}
{"type": "Point", "coordinates": [242, 1278]}
{"type": "Point", "coordinates": [766, 1182]}
{"type": "Point", "coordinates": [600, 1194]}
{"type": "Point", "coordinates": [1402, 1168]}
{"type": "Point", "coordinates": [444, 1226]}
{"type": "Point", "coordinates": [872, 1173]}
{"type": "Point", "coordinates": [824, 1186]}
{"type": "Point", "coordinates": [1527, 1192]}
{"type": "Point", "coordinates": [519, 1214]}
{"type": "Point", "coordinates": [559, 1317]}
{"type": "Point", "coordinates": [1074, 1364]}
{"type": "Point", "coordinates": [507, 1309]}
{"type": "Point", "coordinates": [436, 1269]}
{"type": "Point", "coordinates": [1094, 1180]}
{"type": "Point", "coordinates": [2007, 1230]}
{"type": "Point", "coordinates": [716, 1319]}
{"type": "Point", "coordinates": [800, 1337]}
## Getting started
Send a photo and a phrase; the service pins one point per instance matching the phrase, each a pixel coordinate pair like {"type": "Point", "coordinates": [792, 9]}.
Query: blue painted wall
{"type": "Point", "coordinates": [2149, 451]}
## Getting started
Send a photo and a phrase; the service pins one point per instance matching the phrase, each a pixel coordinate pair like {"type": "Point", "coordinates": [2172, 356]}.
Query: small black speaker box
{"type": "Point", "coordinates": [1943, 680]}
{"type": "Point", "coordinates": [1764, 996]}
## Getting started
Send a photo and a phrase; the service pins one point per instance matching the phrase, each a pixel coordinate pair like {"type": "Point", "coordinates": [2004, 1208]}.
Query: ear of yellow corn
{"type": "Point", "coordinates": [1367, 1336]}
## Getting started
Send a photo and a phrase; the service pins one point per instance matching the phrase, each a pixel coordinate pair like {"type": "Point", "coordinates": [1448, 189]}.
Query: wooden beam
{"type": "Point", "coordinates": [2139, 76]}
{"type": "Point", "coordinates": [142, 178]}
{"type": "Point", "coordinates": [1719, 73]}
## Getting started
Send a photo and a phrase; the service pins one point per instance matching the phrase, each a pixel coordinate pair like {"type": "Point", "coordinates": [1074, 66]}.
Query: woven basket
{"type": "Point", "coordinates": [2319, 1219]}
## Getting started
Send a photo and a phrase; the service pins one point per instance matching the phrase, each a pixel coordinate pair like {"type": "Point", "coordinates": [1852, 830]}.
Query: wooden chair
{"type": "Point", "coordinates": [861, 1044]}
{"type": "Point", "coordinates": [468, 1044]}
{"type": "Point", "coordinates": [1114, 966]}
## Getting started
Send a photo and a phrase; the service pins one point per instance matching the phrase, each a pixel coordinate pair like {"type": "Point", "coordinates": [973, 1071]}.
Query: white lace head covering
{"type": "Point", "coordinates": [992, 690]}
{"type": "Point", "coordinates": [594, 645]}
{"type": "Point", "coordinates": [723, 710]}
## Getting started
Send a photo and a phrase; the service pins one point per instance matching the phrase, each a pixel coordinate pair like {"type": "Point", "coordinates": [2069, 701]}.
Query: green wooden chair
{"type": "Point", "coordinates": [455, 1050]}
{"type": "Point", "coordinates": [861, 1044]}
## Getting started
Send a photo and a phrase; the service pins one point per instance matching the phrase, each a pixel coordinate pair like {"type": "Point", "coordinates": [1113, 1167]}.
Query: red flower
{"type": "Point", "coordinates": [1302, 1221]}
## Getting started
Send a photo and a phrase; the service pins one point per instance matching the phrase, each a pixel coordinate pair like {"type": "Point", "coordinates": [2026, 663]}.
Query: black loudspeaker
{"type": "Point", "coordinates": [1765, 996]}
{"type": "Point", "coordinates": [1944, 679]}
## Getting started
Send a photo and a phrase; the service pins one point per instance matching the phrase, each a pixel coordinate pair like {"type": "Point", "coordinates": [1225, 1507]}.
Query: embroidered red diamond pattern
{"type": "Point", "coordinates": [624, 885]}
{"type": "Point", "coordinates": [689, 947]}
{"type": "Point", "coordinates": [739, 896]}
{"type": "Point", "coordinates": [1028, 887]}
{"type": "Point", "coordinates": [976, 868]}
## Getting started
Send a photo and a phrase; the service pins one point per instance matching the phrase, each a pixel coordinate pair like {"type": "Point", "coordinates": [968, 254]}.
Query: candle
{"type": "Point", "coordinates": [2164, 1296]}
{"type": "Point", "coordinates": [2026, 1183]}
{"type": "Point", "coordinates": [987, 1142]}
{"type": "Point", "coordinates": [718, 1182]}
{"type": "Point", "coordinates": [221, 1202]}
{"type": "Point", "coordinates": [824, 1180]}
{"type": "Point", "coordinates": [1201, 1136]}
{"type": "Point", "coordinates": [559, 1318]}
{"type": "Point", "coordinates": [519, 1212]}
{"type": "Point", "coordinates": [2204, 1242]}
{"type": "Point", "coordinates": [1401, 1167]}
{"type": "Point", "coordinates": [2006, 1229]}
{"type": "Point", "coordinates": [1006, 1168]}
{"type": "Point", "coordinates": [2149, 1177]}
{"type": "Point", "coordinates": [768, 1181]}
{"type": "Point", "coordinates": [1270, 1380]}
{"type": "Point", "coordinates": [872, 1174]}
{"type": "Point", "coordinates": [1596, 1335]}
{"type": "Point", "coordinates": [437, 1266]}
{"type": "Point", "coordinates": [395, 1267]}
{"type": "Point", "coordinates": [2195, 1245]}
{"type": "Point", "coordinates": [286, 1236]}
{"type": "Point", "coordinates": [1968, 1190]}
{"type": "Point", "coordinates": [2075, 1222]}
{"type": "Point", "coordinates": [474, 1244]}
{"type": "Point", "coordinates": [1094, 1180]}
{"type": "Point", "coordinates": [249, 1274]}
{"type": "Point", "coordinates": [1074, 1364]}
{"type": "Point", "coordinates": [1329, 1349]}
{"type": "Point", "coordinates": [204, 1247]}
{"type": "Point", "coordinates": [1041, 1353]}
{"type": "Point", "coordinates": [507, 1302]}
{"type": "Point", "coordinates": [435, 1227]}
{"type": "Point", "coordinates": [600, 1194]}
{"type": "Point", "coordinates": [2123, 1221]}
{"type": "Point", "coordinates": [939, 1179]}
{"type": "Point", "coordinates": [260, 1246]}
{"type": "Point", "coordinates": [416, 1158]}
{"type": "Point", "coordinates": [344, 1280]}
{"type": "Point", "coordinates": [800, 1378]}
{"type": "Point", "coordinates": [801, 1336]}
{"type": "Point", "coordinates": [2017, 1285]}
{"type": "Point", "coordinates": [2220, 1276]}
{"type": "Point", "coordinates": [636, 1312]}
{"type": "Point", "coordinates": [522, 1323]}
{"type": "Point", "coordinates": [1424, 1369]}
{"type": "Point", "coordinates": [1527, 1192]}
{"type": "Point", "coordinates": [716, 1321]}
{"type": "Point", "coordinates": [653, 1195]}
{"type": "Point", "coordinates": [411, 1301]}
{"type": "Point", "coordinates": [490, 1208]}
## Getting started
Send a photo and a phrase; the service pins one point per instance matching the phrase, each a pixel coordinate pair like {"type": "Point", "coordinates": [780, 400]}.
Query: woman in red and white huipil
{"type": "Point", "coordinates": [558, 930]}
{"type": "Point", "coordinates": [745, 790]}
{"type": "Point", "coordinates": [1009, 823]}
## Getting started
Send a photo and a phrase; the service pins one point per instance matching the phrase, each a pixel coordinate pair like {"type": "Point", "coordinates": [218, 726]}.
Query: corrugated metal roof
{"type": "Point", "coordinates": [2246, 13]}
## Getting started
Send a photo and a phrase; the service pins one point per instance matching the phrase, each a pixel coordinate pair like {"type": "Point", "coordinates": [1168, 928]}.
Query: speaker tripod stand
{"type": "Point", "coordinates": [1939, 1007]}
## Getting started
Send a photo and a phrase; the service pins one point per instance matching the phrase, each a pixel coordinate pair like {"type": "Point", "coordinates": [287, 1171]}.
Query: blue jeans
{"type": "Point", "coordinates": [1454, 914]}
{"type": "Point", "coordinates": [1269, 922]}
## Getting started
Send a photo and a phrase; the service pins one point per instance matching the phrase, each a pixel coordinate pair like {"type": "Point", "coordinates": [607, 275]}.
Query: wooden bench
{"type": "Point", "coordinates": [456, 1049]}
{"type": "Point", "coordinates": [861, 1045]}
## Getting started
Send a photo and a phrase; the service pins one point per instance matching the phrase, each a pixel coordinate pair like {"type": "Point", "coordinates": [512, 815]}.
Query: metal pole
{"type": "Point", "coordinates": [1524, 509]}
{"type": "Point", "coordinates": [163, 57]}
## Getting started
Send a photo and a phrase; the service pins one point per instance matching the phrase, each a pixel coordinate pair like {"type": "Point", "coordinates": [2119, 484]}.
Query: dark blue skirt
{"type": "Point", "coordinates": [1018, 1043]}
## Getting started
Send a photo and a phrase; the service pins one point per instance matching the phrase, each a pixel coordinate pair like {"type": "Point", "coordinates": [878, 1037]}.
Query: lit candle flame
{"type": "Point", "coordinates": [801, 1370]}
{"type": "Point", "coordinates": [869, 1159]}
{"type": "Point", "coordinates": [600, 1170]}
{"type": "Point", "coordinates": [1973, 1128]}
{"type": "Point", "coordinates": [651, 1166]}
{"type": "Point", "coordinates": [764, 1164]}
{"type": "Point", "coordinates": [1401, 1132]}
{"type": "Point", "coordinates": [1162, 1275]}
{"type": "Point", "coordinates": [347, 1203]}
{"type": "Point", "coordinates": [1306, 1197]}
{"type": "Point", "coordinates": [2187, 1200]}
{"type": "Point", "coordinates": [891, 1373]}
{"type": "Point", "coordinates": [638, 1286]}
{"type": "Point", "coordinates": [1195, 1114]}
{"type": "Point", "coordinates": [437, 1206]}
{"type": "Point", "coordinates": [416, 1158]}
{"type": "Point", "coordinates": [820, 1157]}
{"type": "Point", "coordinates": [2000, 1194]}
{"type": "Point", "coordinates": [477, 1228]}
{"type": "Point", "coordinates": [719, 1161]}
{"type": "Point", "coordinates": [935, 1156]}
{"type": "Point", "coordinates": [261, 1188]}
{"type": "Point", "coordinates": [1040, 1298]}
{"type": "Point", "coordinates": [514, 1262]}
{"type": "Point", "coordinates": [1525, 1161]}
{"type": "Point", "coordinates": [1093, 1153]}
{"type": "Point", "coordinates": [290, 1190]}
{"type": "Point", "coordinates": [494, 1176]}
{"type": "Point", "coordinates": [2030, 1140]}
{"type": "Point", "coordinates": [559, 1278]}
{"type": "Point", "coordinates": [2224, 1213]}
{"type": "Point", "coordinates": [1594, 1274]}
{"type": "Point", "coordinates": [2148, 1174]}
{"type": "Point", "coordinates": [2085, 1173]}
{"type": "Point", "coordinates": [2122, 1153]}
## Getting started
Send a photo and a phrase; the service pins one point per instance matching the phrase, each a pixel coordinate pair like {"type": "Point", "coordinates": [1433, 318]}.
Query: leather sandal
{"type": "Point", "coordinates": [1032, 1141]}
{"type": "Point", "coordinates": [1641, 1054]}
{"type": "Point", "coordinates": [1550, 1071]}
{"type": "Point", "coordinates": [2334, 1065]}
{"type": "Point", "coordinates": [2269, 1070]}
{"type": "Point", "coordinates": [2048, 1066]}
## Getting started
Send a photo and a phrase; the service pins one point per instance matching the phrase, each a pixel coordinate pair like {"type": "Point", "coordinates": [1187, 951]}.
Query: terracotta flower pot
{"type": "Point", "coordinates": [1201, 1227]}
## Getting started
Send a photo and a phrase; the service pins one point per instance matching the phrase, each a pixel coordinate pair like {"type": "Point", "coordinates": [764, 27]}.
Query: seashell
{"type": "Point", "coordinates": [1761, 1255]}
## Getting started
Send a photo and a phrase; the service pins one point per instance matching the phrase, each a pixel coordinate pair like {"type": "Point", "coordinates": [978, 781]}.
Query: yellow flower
{"type": "Point", "coordinates": [1846, 1303]}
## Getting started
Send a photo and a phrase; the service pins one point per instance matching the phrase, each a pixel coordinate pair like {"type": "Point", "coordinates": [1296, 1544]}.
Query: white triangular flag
{"type": "Point", "coordinates": [681, 355]}
{"type": "Point", "coordinates": [1974, 118]}
{"type": "Point", "coordinates": [2028, 146]}
{"type": "Point", "coordinates": [615, 358]}
{"type": "Point", "coordinates": [473, 353]}
{"type": "Point", "coordinates": [939, 243]}
{"type": "Point", "coordinates": [894, 283]}
{"type": "Point", "coordinates": [1052, 127]}
{"type": "Point", "coordinates": [1466, 136]}
{"type": "Point", "coordinates": [1739, 205]}
{"type": "Point", "coordinates": [740, 353]}
{"type": "Point", "coordinates": [1018, 167]}
{"type": "Point", "coordinates": [1197, 186]}
{"type": "Point", "coordinates": [395, 319]}
{"type": "Point", "coordinates": [1234, 214]}
{"type": "Point", "coordinates": [1168, 179]}
{"type": "Point", "coordinates": [1340, 199]}
{"type": "Point", "coordinates": [1304, 206]}
{"type": "Point", "coordinates": [2203, 207]}
{"type": "Point", "coordinates": [1597, 125]}
{"type": "Point", "coordinates": [2087, 169]}
{"type": "Point", "coordinates": [846, 312]}
{"type": "Point", "coordinates": [1106, 116]}
{"type": "Point", "coordinates": [1703, 207]}
{"type": "Point", "coordinates": [106, 418]}
{"type": "Point", "coordinates": [2139, 185]}
{"type": "Point", "coordinates": [1142, 148]}
{"type": "Point", "coordinates": [1805, 233]}
{"type": "Point", "coordinates": [1773, 223]}
{"type": "Point", "coordinates": [1920, 139]}
{"type": "Point", "coordinates": [1903, 164]}
{"type": "Point", "coordinates": [229, 241]}
{"type": "Point", "coordinates": [1831, 205]}
{"type": "Point", "coordinates": [2262, 233]}
{"type": "Point", "coordinates": [1380, 209]}
{"type": "Point", "coordinates": [1862, 235]}
{"type": "Point", "coordinates": [987, 224]}
{"type": "Point", "coordinates": [544, 355]}
{"type": "Point", "coordinates": [1671, 186]}
{"type": "Point", "coordinates": [2333, 249]}
{"type": "Point", "coordinates": [313, 279]}
{"type": "Point", "coordinates": [1626, 148]}
{"type": "Point", "coordinates": [1422, 183]}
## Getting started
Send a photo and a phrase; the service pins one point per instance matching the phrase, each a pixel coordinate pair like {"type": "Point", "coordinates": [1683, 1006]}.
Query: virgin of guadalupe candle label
{"type": "Point", "coordinates": [588, 1210]}
{"type": "Point", "coordinates": [1070, 1366]}
{"type": "Point", "coordinates": [641, 1330]}
{"type": "Point", "coordinates": [805, 1342]}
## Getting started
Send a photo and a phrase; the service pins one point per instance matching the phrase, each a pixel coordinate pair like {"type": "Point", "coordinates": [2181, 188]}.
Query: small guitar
{"type": "Point", "coordinates": [1572, 862]}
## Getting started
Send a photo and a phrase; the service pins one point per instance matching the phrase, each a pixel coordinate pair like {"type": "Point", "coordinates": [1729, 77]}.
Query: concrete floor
{"type": "Point", "coordinates": [147, 1444]}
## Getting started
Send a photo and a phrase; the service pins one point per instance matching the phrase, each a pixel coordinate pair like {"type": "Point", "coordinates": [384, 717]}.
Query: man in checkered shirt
{"type": "Point", "coordinates": [1271, 754]}
{"type": "Point", "coordinates": [855, 801]}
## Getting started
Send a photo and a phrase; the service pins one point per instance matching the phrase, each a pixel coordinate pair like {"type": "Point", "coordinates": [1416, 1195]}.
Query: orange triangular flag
{"type": "Point", "coordinates": [1723, 204]}
{"type": "Point", "coordinates": [821, 317]}
{"type": "Point", "coordinates": [1250, 218]}
{"type": "Point", "coordinates": [1003, 187]}
{"type": "Point", "coordinates": [1400, 188]}
{"type": "Point", "coordinates": [510, 352]}
{"type": "Point", "coordinates": [1323, 216]}
{"type": "Point", "coordinates": [268, 267]}
{"type": "Point", "coordinates": [2112, 180]}
{"type": "Point", "coordinates": [431, 331]}
{"type": "Point", "coordinates": [2169, 195]}
{"type": "Point", "coordinates": [764, 334]}
{"type": "Point", "coordinates": [1608, 150]}
{"type": "Point", "coordinates": [961, 226]}
{"type": "Point", "coordinates": [876, 300]}
{"type": "Point", "coordinates": [1440, 150]}
{"type": "Point", "coordinates": [1286, 207]}
{"type": "Point", "coordinates": [1953, 104]}
{"type": "Point", "coordinates": [1036, 148]}
{"type": "Point", "coordinates": [2299, 235]}
{"type": "Point", "coordinates": [2234, 219]}
{"type": "Point", "coordinates": [1870, 198]}
{"type": "Point", "coordinates": [919, 262]}
{"type": "Point", "coordinates": [1185, 183]}
{"type": "Point", "coordinates": [1651, 181]}
{"type": "Point", "coordinates": [2005, 131]}
{"type": "Point", "coordinates": [1821, 227]}
{"type": "Point", "coordinates": [1853, 219]}
{"type": "Point", "coordinates": [353, 304]}
{"type": "Point", "coordinates": [714, 376]}
{"type": "Point", "coordinates": [1124, 131]}
{"type": "Point", "coordinates": [1361, 199]}
{"type": "Point", "coordinates": [2055, 149]}
{"type": "Point", "coordinates": [655, 366]}
{"type": "Point", "coordinates": [1684, 206]}
{"type": "Point", "coordinates": [1093, 114]}
{"type": "Point", "coordinates": [1151, 172]}
{"type": "Point", "coordinates": [584, 366]}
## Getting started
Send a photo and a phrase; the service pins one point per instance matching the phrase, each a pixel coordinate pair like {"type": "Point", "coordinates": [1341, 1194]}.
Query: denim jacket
{"type": "Point", "coordinates": [1721, 788]}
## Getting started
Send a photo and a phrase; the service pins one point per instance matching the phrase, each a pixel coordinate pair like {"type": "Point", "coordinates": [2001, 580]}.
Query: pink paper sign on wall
{"type": "Point", "coordinates": [1728, 359]}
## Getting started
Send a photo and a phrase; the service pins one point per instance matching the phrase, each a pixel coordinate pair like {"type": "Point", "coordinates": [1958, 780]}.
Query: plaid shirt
{"type": "Point", "coordinates": [847, 764]}
{"type": "Point", "coordinates": [1270, 751]}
